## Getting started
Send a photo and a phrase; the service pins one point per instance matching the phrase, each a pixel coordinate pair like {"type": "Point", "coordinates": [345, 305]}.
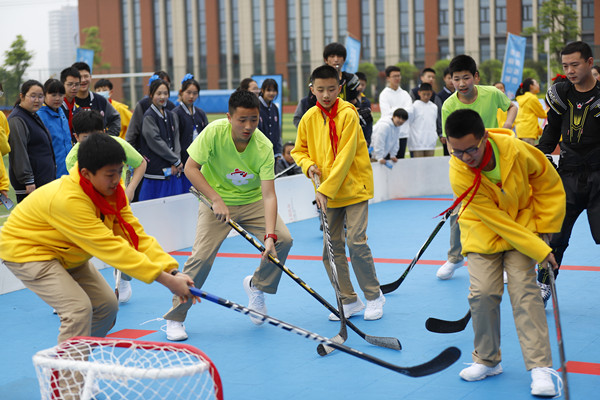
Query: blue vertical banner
{"type": "Point", "coordinates": [512, 70]}
{"type": "Point", "coordinates": [352, 55]}
{"type": "Point", "coordinates": [87, 56]}
{"type": "Point", "coordinates": [277, 100]}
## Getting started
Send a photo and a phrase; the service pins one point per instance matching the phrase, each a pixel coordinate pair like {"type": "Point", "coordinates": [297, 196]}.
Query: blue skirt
{"type": "Point", "coordinates": [157, 188]}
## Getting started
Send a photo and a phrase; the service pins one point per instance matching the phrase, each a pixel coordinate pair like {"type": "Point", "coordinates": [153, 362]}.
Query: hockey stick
{"type": "Point", "coordinates": [443, 326]}
{"type": "Point", "coordinates": [437, 364]}
{"type": "Point", "coordinates": [117, 283]}
{"type": "Point", "coordinates": [559, 335]}
{"type": "Point", "coordinates": [389, 342]}
{"type": "Point", "coordinates": [390, 287]}
{"type": "Point", "coordinates": [343, 334]}
{"type": "Point", "coordinates": [284, 171]}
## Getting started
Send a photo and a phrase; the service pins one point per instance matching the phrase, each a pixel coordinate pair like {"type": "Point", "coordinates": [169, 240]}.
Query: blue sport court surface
{"type": "Point", "coordinates": [265, 362]}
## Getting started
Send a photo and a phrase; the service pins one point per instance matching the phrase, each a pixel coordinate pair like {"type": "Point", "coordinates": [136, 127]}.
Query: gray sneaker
{"type": "Point", "coordinates": [257, 300]}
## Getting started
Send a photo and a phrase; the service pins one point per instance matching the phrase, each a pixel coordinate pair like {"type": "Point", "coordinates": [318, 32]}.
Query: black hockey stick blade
{"type": "Point", "coordinates": [443, 326]}
{"type": "Point", "coordinates": [342, 336]}
{"type": "Point", "coordinates": [390, 287]}
{"type": "Point", "coordinates": [439, 363]}
{"type": "Point", "coordinates": [381, 341]}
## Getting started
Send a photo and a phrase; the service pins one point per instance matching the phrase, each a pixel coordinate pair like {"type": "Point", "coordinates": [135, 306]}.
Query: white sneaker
{"type": "Point", "coordinates": [257, 300]}
{"type": "Point", "coordinates": [375, 308]}
{"type": "Point", "coordinates": [477, 372]}
{"type": "Point", "coordinates": [505, 276]}
{"type": "Point", "coordinates": [349, 310]}
{"type": "Point", "coordinates": [176, 331]}
{"type": "Point", "coordinates": [124, 291]}
{"type": "Point", "coordinates": [541, 382]}
{"type": "Point", "coordinates": [447, 270]}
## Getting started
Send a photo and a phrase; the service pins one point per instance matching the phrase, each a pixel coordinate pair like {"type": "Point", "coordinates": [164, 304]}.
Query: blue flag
{"type": "Point", "coordinates": [352, 55]}
{"type": "Point", "coordinates": [87, 56]}
{"type": "Point", "coordinates": [512, 70]}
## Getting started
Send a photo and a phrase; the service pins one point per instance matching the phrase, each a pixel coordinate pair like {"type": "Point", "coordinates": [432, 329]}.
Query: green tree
{"type": "Point", "coordinates": [439, 68]}
{"type": "Point", "coordinates": [409, 73]}
{"type": "Point", "coordinates": [530, 73]}
{"type": "Point", "coordinates": [557, 21]}
{"type": "Point", "coordinates": [16, 61]}
{"type": "Point", "coordinates": [490, 71]}
{"type": "Point", "coordinates": [94, 42]}
{"type": "Point", "coordinates": [371, 71]}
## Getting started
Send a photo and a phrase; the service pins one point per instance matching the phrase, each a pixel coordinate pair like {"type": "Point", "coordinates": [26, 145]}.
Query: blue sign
{"type": "Point", "coordinates": [87, 56]}
{"type": "Point", "coordinates": [277, 100]}
{"type": "Point", "coordinates": [352, 55]}
{"type": "Point", "coordinates": [512, 70]}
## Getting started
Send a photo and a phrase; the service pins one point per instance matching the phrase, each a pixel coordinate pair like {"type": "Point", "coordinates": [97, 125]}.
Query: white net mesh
{"type": "Point", "coordinates": [95, 368]}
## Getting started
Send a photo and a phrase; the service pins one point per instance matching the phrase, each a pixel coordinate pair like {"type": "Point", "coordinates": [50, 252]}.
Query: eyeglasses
{"type": "Point", "coordinates": [470, 151]}
{"type": "Point", "coordinates": [72, 84]}
{"type": "Point", "coordinates": [38, 98]}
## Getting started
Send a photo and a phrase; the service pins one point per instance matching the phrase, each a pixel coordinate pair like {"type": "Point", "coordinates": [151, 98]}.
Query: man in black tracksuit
{"type": "Point", "coordinates": [575, 115]}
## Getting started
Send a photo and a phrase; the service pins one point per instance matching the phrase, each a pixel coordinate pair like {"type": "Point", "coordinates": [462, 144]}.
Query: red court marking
{"type": "Point", "coordinates": [130, 333]}
{"type": "Point", "coordinates": [423, 198]}
{"type": "Point", "coordinates": [377, 260]}
{"type": "Point", "coordinates": [579, 367]}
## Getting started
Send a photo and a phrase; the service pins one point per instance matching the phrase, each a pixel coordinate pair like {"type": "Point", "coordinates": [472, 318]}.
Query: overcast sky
{"type": "Point", "coordinates": [29, 18]}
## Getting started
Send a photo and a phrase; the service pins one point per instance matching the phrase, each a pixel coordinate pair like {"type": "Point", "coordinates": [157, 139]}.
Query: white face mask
{"type": "Point", "coordinates": [105, 94]}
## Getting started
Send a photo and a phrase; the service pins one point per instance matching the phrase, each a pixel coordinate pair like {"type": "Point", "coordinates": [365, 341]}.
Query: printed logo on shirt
{"type": "Point", "coordinates": [239, 177]}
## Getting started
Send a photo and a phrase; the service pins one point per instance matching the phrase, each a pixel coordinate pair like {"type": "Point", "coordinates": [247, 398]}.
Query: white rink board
{"type": "Point", "coordinates": [172, 220]}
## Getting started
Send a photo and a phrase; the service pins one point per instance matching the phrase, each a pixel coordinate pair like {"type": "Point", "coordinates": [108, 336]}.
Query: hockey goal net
{"type": "Point", "coordinates": [100, 368]}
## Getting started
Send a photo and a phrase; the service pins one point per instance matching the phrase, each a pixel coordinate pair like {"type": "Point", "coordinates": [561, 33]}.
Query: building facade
{"type": "Point", "coordinates": [63, 33]}
{"type": "Point", "coordinates": [223, 41]}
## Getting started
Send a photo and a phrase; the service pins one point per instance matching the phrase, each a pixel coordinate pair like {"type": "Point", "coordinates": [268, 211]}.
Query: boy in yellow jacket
{"type": "Point", "coordinates": [512, 200]}
{"type": "Point", "coordinates": [49, 238]}
{"type": "Point", "coordinates": [330, 144]}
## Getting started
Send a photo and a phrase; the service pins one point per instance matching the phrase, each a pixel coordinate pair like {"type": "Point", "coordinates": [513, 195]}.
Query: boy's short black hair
{"type": "Point", "coordinates": [81, 66]}
{"type": "Point", "coordinates": [70, 71]}
{"type": "Point", "coordinates": [582, 47]}
{"type": "Point", "coordinates": [287, 144]}
{"type": "Point", "coordinates": [425, 86]}
{"type": "Point", "coordinates": [103, 83]}
{"type": "Point", "coordinates": [463, 62]}
{"type": "Point", "coordinates": [463, 122]}
{"type": "Point", "coordinates": [447, 72]}
{"type": "Point", "coordinates": [400, 113]}
{"type": "Point", "coordinates": [97, 151]}
{"type": "Point", "coordinates": [361, 76]}
{"type": "Point", "coordinates": [325, 72]}
{"type": "Point", "coordinates": [244, 99]}
{"type": "Point", "coordinates": [52, 86]}
{"type": "Point", "coordinates": [88, 121]}
{"type": "Point", "coordinates": [427, 70]}
{"type": "Point", "coordinates": [392, 68]}
{"type": "Point", "coordinates": [334, 49]}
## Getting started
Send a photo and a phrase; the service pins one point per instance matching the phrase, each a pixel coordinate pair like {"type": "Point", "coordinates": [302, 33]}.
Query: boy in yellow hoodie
{"type": "Point", "coordinates": [49, 238]}
{"type": "Point", "coordinates": [512, 200]}
{"type": "Point", "coordinates": [331, 145]}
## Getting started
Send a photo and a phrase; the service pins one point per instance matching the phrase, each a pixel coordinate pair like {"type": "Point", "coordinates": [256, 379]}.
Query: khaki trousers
{"type": "Point", "coordinates": [487, 286]}
{"type": "Point", "coordinates": [455, 251]}
{"type": "Point", "coordinates": [210, 234]}
{"type": "Point", "coordinates": [422, 153]}
{"type": "Point", "coordinates": [355, 235]}
{"type": "Point", "coordinates": [85, 303]}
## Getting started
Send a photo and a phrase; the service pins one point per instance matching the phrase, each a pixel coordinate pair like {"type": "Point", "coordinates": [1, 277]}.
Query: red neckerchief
{"type": "Point", "coordinates": [106, 209]}
{"type": "Point", "coordinates": [487, 156]}
{"type": "Point", "coordinates": [332, 131]}
{"type": "Point", "coordinates": [70, 107]}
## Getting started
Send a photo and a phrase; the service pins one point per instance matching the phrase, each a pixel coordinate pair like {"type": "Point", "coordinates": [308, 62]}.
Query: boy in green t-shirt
{"type": "Point", "coordinates": [485, 100]}
{"type": "Point", "coordinates": [86, 123]}
{"type": "Point", "coordinates": [232, 164]}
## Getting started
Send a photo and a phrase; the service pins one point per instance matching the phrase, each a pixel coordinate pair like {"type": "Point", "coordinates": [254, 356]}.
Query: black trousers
{"type": "Point", "coordinates": [583, 193]}
{"type": "Point", "coordinates": [402, 148]}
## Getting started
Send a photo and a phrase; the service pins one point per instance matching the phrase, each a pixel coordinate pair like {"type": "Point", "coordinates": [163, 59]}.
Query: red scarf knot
{"type": "Point", "coordinates": [332, 130]}
{"type": "Point", "coordinates": [487, 156]}
{"type": "Point", "coordinates": [107, 209]}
